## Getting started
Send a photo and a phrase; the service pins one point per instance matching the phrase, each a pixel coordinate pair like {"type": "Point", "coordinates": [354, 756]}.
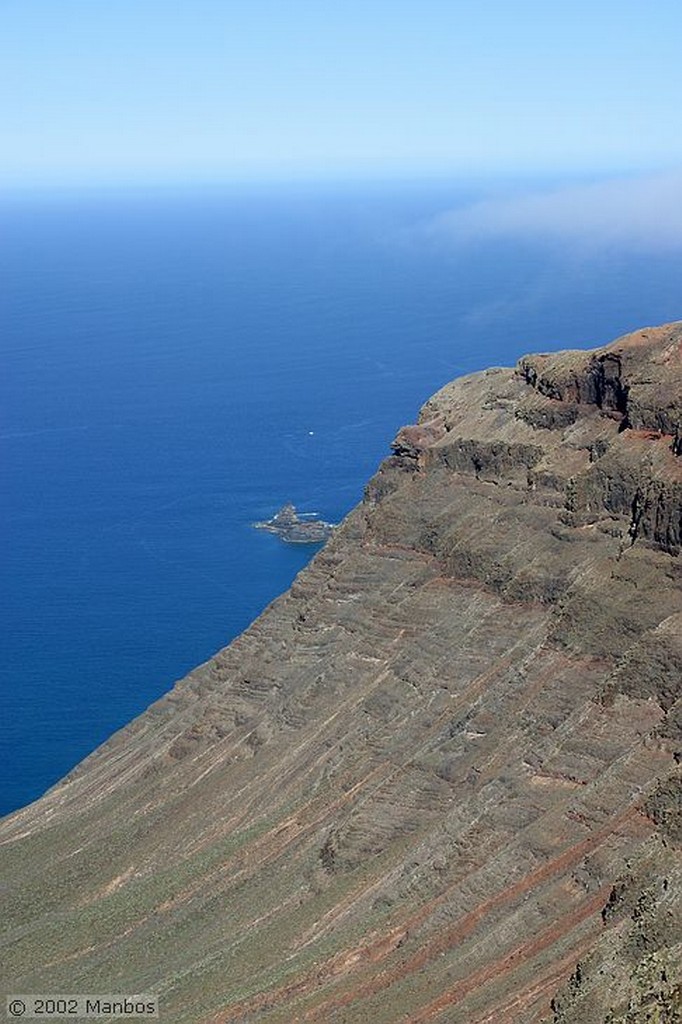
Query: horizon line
{"type": "Point", "coordinates": [259, 182]}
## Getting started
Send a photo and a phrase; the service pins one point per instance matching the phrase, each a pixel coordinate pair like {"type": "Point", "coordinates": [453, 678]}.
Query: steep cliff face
{"type": "Point", "coordinates": [438, 780]}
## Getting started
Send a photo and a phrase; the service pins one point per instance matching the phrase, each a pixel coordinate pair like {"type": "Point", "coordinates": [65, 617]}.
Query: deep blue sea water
{"type": "Point", "coordinates": [178, 364]}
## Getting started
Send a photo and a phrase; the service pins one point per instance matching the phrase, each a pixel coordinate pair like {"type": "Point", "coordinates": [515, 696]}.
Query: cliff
{"type": "Point", "coordinates": [438, 780]}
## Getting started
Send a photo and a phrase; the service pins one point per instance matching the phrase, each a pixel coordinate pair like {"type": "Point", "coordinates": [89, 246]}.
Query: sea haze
{"type": "Point", "coordinates": [177, 365]}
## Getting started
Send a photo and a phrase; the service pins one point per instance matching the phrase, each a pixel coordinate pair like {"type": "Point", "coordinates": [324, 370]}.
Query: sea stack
{"type": "Point", "coordinates": [293, 529]}
{"type": "Point", "coordinates": [438, 780]}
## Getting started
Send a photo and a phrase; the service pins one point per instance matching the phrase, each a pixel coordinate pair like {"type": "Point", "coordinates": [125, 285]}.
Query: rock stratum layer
{"type": "Point", "coordinates": [438, 780]}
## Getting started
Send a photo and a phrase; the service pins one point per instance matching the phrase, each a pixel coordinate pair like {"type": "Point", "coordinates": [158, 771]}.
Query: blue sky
{"type": "Point", "coordinates": [107, 91]}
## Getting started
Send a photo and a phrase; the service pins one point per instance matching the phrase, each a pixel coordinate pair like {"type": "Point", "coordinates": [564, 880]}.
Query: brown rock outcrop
{"type": "Point", "coordinates": [438, 780]}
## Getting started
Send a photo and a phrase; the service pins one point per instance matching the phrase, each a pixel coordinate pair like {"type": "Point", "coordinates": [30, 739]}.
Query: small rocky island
{"type": "Point", "coordinates": [294, 529]}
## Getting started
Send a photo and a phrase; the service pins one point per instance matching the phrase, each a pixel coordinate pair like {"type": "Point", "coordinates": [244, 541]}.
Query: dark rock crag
{"type": "Point", "coordinates": [290, 527]}
{"type": "Point", "coordinates": [439, 779]}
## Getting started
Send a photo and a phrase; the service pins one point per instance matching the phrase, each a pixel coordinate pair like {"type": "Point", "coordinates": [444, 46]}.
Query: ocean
{"type": "Point", "coordinates": [177, 364]}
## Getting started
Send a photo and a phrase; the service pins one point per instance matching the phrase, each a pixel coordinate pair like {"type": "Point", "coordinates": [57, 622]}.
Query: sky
{"type": "Point", "coordinates": [156, 91]}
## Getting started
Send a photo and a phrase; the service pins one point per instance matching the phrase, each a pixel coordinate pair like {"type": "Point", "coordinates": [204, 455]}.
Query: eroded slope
{"type": "Point", "coordinates": [411, 789]}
